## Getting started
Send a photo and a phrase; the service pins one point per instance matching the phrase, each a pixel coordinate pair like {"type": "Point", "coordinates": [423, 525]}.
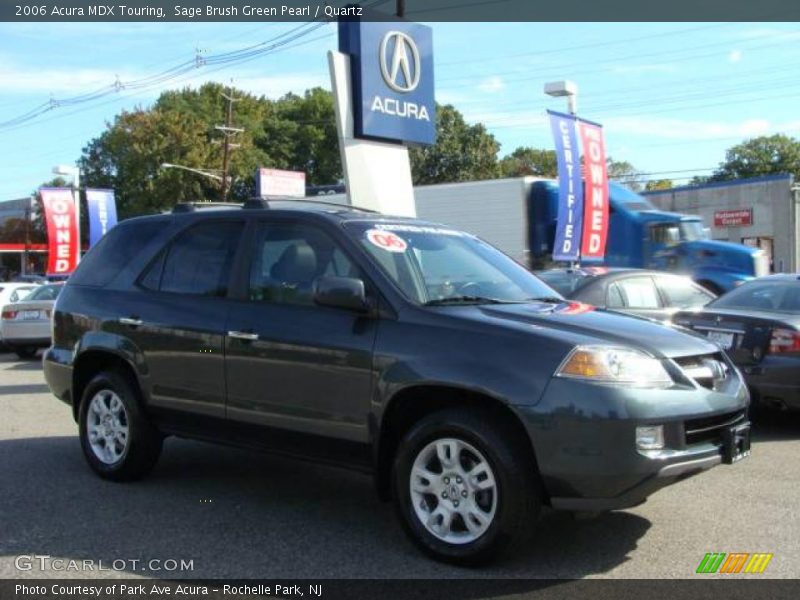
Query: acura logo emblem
{"type": "Point", "coordinates": [399, 60]}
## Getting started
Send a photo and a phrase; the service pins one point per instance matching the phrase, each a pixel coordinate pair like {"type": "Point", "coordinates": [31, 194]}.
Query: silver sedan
{"type": "Point", "coordinates": [26, 324]}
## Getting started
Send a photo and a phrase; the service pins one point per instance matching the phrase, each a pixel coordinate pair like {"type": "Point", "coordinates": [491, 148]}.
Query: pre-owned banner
{"type": "Point", "coordinates": [570, 200]}
{"type": "Point", "coordinates": [62, 230]}
{"type": "Point", "coordinates": [595, 204]}
{"type": "Point", "coordinates": [102, 209]}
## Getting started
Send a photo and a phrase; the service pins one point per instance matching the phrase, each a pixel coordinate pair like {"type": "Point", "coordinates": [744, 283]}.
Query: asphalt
{"type": "Point", "coordinates": [237, 514]}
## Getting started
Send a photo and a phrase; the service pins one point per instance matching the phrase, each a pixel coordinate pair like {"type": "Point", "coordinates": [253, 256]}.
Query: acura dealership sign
{"type": "Point", "coordinates": [392, 80]}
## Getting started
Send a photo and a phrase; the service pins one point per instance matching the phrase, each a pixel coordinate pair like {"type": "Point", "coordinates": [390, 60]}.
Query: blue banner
{"type": "Point", "coordinates": [567, 246]}
{"type": "Point", "coordinates": [102, 210]}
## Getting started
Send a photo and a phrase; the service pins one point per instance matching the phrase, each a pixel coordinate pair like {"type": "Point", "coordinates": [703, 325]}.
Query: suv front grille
{"type": "Point", "coordinates": [709, 370]}
{"type": "Point", "coordinates": [709, 429]}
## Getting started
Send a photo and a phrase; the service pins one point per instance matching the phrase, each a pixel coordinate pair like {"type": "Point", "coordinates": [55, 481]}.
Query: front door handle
{"type": "Point", "coordinates": [243, 335]}
{"type": "Point", "coordinates": [132, 321]}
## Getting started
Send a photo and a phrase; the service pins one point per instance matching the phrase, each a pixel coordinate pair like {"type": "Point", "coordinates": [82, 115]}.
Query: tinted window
{"type": "Point", "coordinates": [683, 293]}
{"type": "Point", "coordinates": [198, 261]}
{"type": "Point", "coordinates": [614, 298]}
{"type": "Point", "coordinates": [768, 296]}
{"type": "Point", "coordinates": [639, 292]}
{"type": "Point", "coordinates": [287, 258]}
{"type": "Point", "coordinates": [112, 253]}
{"type": "Point", "coordinates": [564, 282]}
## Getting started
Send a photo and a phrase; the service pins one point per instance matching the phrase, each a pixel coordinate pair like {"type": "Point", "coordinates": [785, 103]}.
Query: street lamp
{"type": "Point", "coordinates": [75, 173]}
{"type": "Point", "coordinates": [211, 173]}
{"type": "Point", "coordinates": [559, 89]}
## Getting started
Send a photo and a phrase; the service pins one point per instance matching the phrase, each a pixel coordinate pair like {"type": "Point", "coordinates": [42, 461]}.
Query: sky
{"type": "Point", "coordinates": [672, 97]}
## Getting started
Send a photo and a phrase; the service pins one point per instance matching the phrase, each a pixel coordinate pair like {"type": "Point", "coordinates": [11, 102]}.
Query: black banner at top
{"type": "Point", "coordinates": [416, 10]}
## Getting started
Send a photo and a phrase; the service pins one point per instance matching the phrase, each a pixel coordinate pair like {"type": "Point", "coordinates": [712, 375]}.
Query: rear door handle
{"type": "Point", "coordinates": [132, 321]}
{"type": "Point", "coordinates": [243, 335]}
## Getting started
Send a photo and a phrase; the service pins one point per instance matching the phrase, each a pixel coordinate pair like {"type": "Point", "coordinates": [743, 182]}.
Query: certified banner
{"type": "Point", "coordinates": [62, 230]}
{"type": "Point", "coordinates": [595, 205]}
{"type": "Point", "coordinates": [102, 209]}
{"type": "Point", "coordinates": [570, 200]}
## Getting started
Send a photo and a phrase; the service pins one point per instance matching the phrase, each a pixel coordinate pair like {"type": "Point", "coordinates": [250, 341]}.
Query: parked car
{"type": "Point", "coordinates": [31, 278]}
{"type": "Point", "coordinates": [11, 292]}
{"type": "Point", "coordinates": [651, 294]}
{"type": "Point", "coordinates": [758, 325]}
{"type": "Point", "coordinates": [416, 352]}
{"type": "Point", "coordinates": [26, 324]}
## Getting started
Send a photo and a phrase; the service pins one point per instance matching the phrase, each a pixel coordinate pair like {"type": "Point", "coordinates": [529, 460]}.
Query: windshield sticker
{"type": "Point", "coordinates": [418, 229]}
{"type": "Point", "coordinates": [386, 240]}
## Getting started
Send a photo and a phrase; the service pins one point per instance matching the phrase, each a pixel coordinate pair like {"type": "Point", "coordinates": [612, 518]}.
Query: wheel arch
{"type": "Point", "coordinates": [410, 404]}
{"type": "Point", "coordinates": [93, 361]}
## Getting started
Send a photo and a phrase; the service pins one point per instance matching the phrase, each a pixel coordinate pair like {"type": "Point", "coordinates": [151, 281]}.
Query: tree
{"type": "Point", "coordinates": [658, 184]}
{"type": "Point", "coordinates": [765, 155]}
{"type": "Point", "coordinates": [462, 152]}
{"type": "Point", "coordinates": [529, 161]}
{"type": "Point", "coordinates": [625, 173]}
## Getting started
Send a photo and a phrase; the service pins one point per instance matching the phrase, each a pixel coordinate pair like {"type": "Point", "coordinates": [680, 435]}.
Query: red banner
{"type": "Point", "coordinates": [595, 190]}
{"type": "Point", "coordinates": [62, 230]}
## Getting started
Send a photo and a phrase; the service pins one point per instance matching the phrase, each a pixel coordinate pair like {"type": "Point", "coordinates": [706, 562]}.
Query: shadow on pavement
{"type": "Point", "coordinates": [238, 514]}
{"type": "Point", "coordinates": [25, 388]}
{"type": "Point", "coordinates": [775, 425]}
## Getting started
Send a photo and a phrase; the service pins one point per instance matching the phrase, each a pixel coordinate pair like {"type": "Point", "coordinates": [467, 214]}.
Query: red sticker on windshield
{"type": "Point", "coordinates": [386, 240]}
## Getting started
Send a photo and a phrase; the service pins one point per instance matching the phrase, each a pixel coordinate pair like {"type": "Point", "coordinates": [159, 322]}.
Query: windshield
{"type": "Point", "coordinates": [692, 231]}
{"type": "Point", "coordinates": [432, 264]}
{"type": "Point", "coordinates": [774, 296]}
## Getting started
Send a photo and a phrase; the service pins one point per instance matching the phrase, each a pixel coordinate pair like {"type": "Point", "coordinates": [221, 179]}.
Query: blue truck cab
{"type": "Point", "coordinates": [641, 236]}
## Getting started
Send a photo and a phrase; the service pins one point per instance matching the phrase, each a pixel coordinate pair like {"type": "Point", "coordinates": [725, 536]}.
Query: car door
{"type": "Point", "coordinates": [176, 318]}
{"type": "Point", "coordinates": [292, 364]}
{"type": "Point", "coordinates": [636, 295]}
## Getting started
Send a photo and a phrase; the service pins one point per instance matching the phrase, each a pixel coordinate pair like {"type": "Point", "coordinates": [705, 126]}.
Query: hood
{"type": "Point", "coordinates": [589, 325]}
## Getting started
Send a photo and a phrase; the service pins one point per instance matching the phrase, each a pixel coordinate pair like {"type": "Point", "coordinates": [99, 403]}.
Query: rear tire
{"type": "Point", "coordinates": [117, 439]}
{"type": "Point", "coordinates": [465, 488]}
{"type": "Point", "coordinates": [25, 352]}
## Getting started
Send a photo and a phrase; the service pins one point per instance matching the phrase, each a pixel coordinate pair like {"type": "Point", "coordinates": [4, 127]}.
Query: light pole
{"type": "Point", "coordinates": [559, 89]}
{"type": "Point", "coordinates": [75, 173]}
{"type": "Point", "coordinates": [210, 173]}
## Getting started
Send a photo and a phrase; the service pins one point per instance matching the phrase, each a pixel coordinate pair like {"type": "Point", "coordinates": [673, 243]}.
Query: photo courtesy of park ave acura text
{"type": "Point", "coordinates": [399, 299]}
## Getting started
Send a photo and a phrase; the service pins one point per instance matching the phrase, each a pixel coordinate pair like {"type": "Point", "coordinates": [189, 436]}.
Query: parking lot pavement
{"type": "Point", "coordinates": [239, 514]}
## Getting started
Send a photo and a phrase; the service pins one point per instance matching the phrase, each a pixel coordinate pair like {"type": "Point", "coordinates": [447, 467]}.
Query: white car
{"type": "Point", "coordinates": [11, 292]}
{"type": "Point", "coordinates": [26, 324]}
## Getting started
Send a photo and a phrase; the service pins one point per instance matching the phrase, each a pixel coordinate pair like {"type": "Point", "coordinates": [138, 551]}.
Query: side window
{"type": "Point", "coordinates": [288, 257]}
{"type": "Point", "coordinates": [614, 297]}
{"type": "Point", "coordinates": [198, 262]}
{"type": "Point", "coordinates": [639, 292]}
{"type": "Point", "coordinates": [682, 293]}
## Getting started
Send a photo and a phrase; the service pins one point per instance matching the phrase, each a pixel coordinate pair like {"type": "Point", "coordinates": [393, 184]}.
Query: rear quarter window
{"type": "Point", "coordinates": [113, 253]}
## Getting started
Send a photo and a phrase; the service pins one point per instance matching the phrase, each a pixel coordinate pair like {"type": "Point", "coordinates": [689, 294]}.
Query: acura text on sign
{"type": "Point", "coordinates": [62, 230]}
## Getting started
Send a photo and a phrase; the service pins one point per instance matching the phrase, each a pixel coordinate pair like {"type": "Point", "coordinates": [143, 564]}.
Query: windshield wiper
{"type": "Point", "coordinates": [547, 299]}
{"type": "Point", "coordinates": [466, 300]}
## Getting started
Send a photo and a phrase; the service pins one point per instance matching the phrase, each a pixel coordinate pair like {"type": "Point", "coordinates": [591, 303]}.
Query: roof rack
{"type": "Point", "coordinates": [186, 207]}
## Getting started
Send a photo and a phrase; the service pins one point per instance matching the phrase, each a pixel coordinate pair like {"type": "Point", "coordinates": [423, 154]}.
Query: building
{"type": "Point", "coordinates": [23, 241]}
{"type": "Point", "coordinates": [762, 212]}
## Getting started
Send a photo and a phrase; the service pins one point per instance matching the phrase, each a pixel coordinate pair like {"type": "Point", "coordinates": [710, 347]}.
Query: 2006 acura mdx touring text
{"type": "Point", "coordinates": [470, 389]}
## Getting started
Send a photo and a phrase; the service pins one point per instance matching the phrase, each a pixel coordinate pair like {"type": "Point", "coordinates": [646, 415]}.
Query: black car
{"type": "Point", "coordinates": [407, 349]}
{"type": "Point", "coordinates": [651, 294]}
{"type": "Point", "coordinates": [758, 325]}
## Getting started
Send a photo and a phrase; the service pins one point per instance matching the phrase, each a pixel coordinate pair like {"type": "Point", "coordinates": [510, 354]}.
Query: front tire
{"type": "Point", "coordinates": [465, 487]}
{"type": "Point", "coordinates": [118, 441]}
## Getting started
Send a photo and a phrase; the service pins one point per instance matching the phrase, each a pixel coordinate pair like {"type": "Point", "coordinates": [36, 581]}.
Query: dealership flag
{"type": "Point", "coordinates": [595, 205]}
{"type": "Point", "coordinates": [62, 230]}
{"type": "Point", "coordinates": [570, 200]}
{"type": "Point", "coordinates": [102, 210]}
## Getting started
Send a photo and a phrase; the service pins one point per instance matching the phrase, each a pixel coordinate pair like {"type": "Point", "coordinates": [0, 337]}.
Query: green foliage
{"type": "Point", "coordinates": [462, 152]}
{"type": "Point", "coordinates": [659, 184]}
{"type": "Point", "coordinates": [765, 155]}
{"type": "Point", "coordinates": [625, 173]}
{"type": "Point", "coordinates": [529, 161]}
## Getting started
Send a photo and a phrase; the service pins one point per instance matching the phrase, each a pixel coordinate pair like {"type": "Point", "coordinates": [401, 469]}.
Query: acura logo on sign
{"type": "Point", "coordinates": [400, 64]}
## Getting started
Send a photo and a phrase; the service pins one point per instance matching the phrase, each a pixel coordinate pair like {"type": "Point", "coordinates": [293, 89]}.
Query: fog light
{"type": "Point", "coordinates": [650, 437]}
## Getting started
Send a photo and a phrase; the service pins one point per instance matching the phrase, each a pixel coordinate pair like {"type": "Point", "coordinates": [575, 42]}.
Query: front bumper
{"type": "Point", "coordinates": [584, 437]}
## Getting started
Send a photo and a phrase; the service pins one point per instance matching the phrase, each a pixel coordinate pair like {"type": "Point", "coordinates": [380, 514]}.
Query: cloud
{"type": "Point", "coordinates": [492, 85]}
{"type": "Point", "coordinates": [687, 129]}
{"type": "Point", "coordinates": [644, 69]}
{"type": "Point", "coordinates": [735, 56]}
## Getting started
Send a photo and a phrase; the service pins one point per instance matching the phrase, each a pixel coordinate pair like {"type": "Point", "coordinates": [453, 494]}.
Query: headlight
{"type": "Point", "coordinates": [612, 365]}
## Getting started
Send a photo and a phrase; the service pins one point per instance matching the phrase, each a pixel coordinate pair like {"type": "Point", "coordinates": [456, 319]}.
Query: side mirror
{"type": "Point", "coordinates": [341, 292]}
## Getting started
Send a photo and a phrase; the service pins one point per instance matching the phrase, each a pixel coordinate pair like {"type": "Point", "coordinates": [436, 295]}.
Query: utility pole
{"type": "Point", "coordinates": [228, 131]}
